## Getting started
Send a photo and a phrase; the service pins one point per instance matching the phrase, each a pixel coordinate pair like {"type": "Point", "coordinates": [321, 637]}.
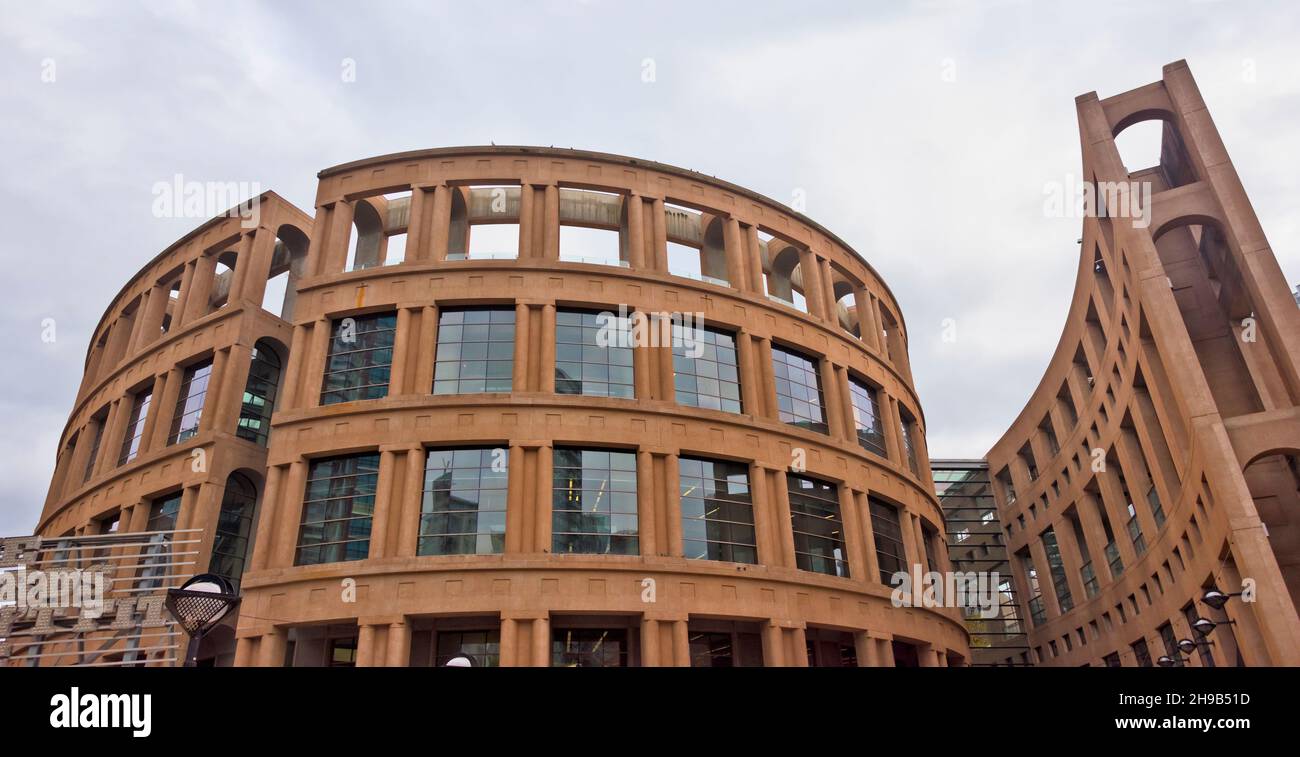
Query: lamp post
{"type": "Point", "coordinates": [1205, 626]}
{"type": "Point", "coordinates": [198, 606]}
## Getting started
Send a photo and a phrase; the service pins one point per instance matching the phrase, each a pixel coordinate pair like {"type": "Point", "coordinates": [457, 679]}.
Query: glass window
{"type": "Point", "coordinates": [593, 354]}
{"type": "Point", "coordinates": [163, 512]}
{"type": "Point", "coordinates": [798, 390]}
{"type": "Point", "coordinates": [343, 653]}
{"type": "Point", "coordinates": [717, 511]}
{"type": "Point", "coordinates": [337, 508]}
{"type": "Point", "coordinates": [476, 351]}
{"type": "Point", "coordinates": [818, 526]}
{"type": "Point", "coordinates": [259, 395]}
{"type": "Point", "coordinates": [483, 648]}
{"type": "Point", "coordinates": [866, 416]}
{"type": "Point", "coordinates": [135, 426]}
{"type": "Point", "coordinates": [1056, 566]}
{"type": "Point", "coordinates": [94, 447]}
{"type": "Point", "coordinates": [234, 529]}
{"type": "Point", "coordinates": [360, 358]}
{"type": "Point", "coordinates": [705, 370]}
{"type": "Point", "coordinates": [888, 535]}
{"type": "Point", "coordinates": [1142, 653]}
{"type": "Point", "coordinates": [463, 510]}
{"type": "Point", "coordinates": [593, 505]}
{"type": "Point", "coordinates": [711, 650]}
{"type": "Point", "coordinates": [589, 648]}
{"type": "Point", "coordinates": [189, 403]}
{"type": "Point", "coordinates": [909, 439]}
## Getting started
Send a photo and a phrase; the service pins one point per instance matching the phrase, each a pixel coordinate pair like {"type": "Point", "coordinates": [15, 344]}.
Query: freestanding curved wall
{"type": "Point", "coordinates": [462, 466]}
{"type": "Point", "coordinates": [167, 431]}
{"type": "Point", "coordinates": [1157, 459]}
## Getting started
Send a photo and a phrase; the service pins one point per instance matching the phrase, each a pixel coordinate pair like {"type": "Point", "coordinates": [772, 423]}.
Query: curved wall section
{"type": "Point", "coordinates": [167, 412]}
{"type": "Point", "coordinates": [460, 466]}
{"type": "Point", "coordinates": [1158, 457]}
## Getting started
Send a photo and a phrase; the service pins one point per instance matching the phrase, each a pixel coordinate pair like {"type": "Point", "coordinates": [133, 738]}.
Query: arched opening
{"type": "Point", "coordinates": [223, 275]}
{"type": "Point", "coordinates": [365, 241]}
{"type": "Point", "coordinates": [287, 265]}
{"type": "Point", "coordinates": [493, 222]}
{"type": "Point", "coordinates": [1274, 482]}
{"type": "Point", "coordinates": [846, 303]}
{"type": "Point", "coordinates": [260, 391]}
{"type": "Point", "coordinates": [783, 276]}
{"type": "Point", "coordinates": [458, 231]}
{"type": "Point", "coordinates": [234, 529]}
{"type": "Point", "coordinates": [1218, 314]}
{"type": "Point", "coordinates": [590, 227]}
{"type": "Point", "coordinates": [1152, 150]}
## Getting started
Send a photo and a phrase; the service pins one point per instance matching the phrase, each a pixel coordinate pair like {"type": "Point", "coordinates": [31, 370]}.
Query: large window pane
{"type": "Point", "coordinates": [589, 648]}
{"type": "Point", "coordinates": [866, 416]}
{"type": "Point", "coordinates": [717, 511]}
{"type": "Point", "coordinates": [337, 509]}
{"type": "Point", "coordinates": [360, 358]}
{"type": "Point", "coordinates": [463, 510]}
{"type": "Point", "coordinates": [818, 526]}
{"type": "Point", "coordinates": [234, 529]}
{"type": "Point", "coordinates": [482, 648]}
{"type": "Point", "coordinates": [593, 505]}
{"type": "Point", "coordinates": [798, 390]}
{"type": "Point", "coordinates": [189, 402]}
{"type": "Point", "coordinates": [135, 426]}
{"type": "Point", "coordinates": [888, 534]}
{"type": "Point", "coordinates": [593, 354]}
{"type": "Point", "coordinates": [476, 351]}
{"type": "Point", "coordinates": [259, 395]}
{"type": "Point", "coordinates": [706, 372]}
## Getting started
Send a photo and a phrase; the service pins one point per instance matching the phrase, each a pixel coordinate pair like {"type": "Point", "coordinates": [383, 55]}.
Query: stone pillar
{"type": "Point", "coordinates": [265, 526]}
{"type": "Point", "coordinates": [383, 504]}
{"type": "Point", "coordinates": [401, 354]}
{"type": "Point", "coordinates": [196, 305]}
{"type": "Point", "coordinates": [546, 365]}
{"type": "Point", "coordinates": [509, 633]}
{"type": "Point", "coordinates": [647, 505]}
{"type": "Point", "coordinates": [681, 644]}
{"type": "Point", "coordinates": [520, 381]}
{"type": "Point", "coordinates": [773, 645]}
{"type": "Point", "coordinates": [551, 224]}
{"type": "Point", "coordinates": [399, 644]}
{"type": "Point", "coordinates": [424, 352]}
{"type": "Point", "coordinates": [542, 508]}
{"type": "Point", "coordinates": [272, 648]}
{"type": "Point", "coordinates": [412, 502]}
{"type": "Point", "coordinates": [367, 655]}
{"type": "Point", "coordinates": [542, 642]}
{"type": "Point", "coordinates": [289, 517]}
{"type": "Point", "coordinates": [734, 246]}
{"type": "Point", "coordinates": [649, 643]}
{"type": "Point", "coordinates": [751, 383]}
{"type": "Point", "coordinates": [659, 244]}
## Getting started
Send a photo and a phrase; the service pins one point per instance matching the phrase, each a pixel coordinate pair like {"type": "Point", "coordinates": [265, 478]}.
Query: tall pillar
{"type": "Point", "coordinates": [399, 644]}
{"type": "Point", "coordinates": [509, 655]}
{"type": "Point", "coordinates": [542, 642]}
{"type": "Point", "coordinates": [383, 504]}
{"type": "Point", "coordinates": [773, 645]}
{"type": "Point", "coordinates": [412, 502]}
{"type": "Point", "coordinates": [649, 643]}
{"type": "Point", "coordinates": [542, 507]}
{"type": "Point", "coordinates": [681, 644]}
{"type": "Point", "coordinates": [272, 648]}
{"type": "Point", "coordinates": [366, 653]}
{"type": "Point", "coordinates": [551, 223]}
{"type": "Point", "coordinates": [401, 354]}
{"type": "Point", "coordinates": [648, 510]}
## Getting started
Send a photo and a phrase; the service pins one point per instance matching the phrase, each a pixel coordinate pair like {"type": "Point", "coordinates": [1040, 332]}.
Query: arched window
{"type": "Point", "coordinates": [234, 529]}
{"type": "Point", "coordinates": [259, 394]}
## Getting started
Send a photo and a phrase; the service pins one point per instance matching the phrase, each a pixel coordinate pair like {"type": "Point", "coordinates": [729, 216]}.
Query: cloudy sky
{"type": "Point", "coordinates": [923, 134]}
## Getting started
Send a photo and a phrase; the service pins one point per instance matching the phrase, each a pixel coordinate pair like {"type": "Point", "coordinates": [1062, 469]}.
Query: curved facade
{"type": "Point", "coordinates": [531, 407]}
{"type": "Point", "coordinates": [1158, 457]}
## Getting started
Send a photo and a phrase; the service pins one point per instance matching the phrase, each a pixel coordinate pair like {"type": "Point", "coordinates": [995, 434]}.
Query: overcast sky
{"type": "Point", "coordinates": [923, 135]}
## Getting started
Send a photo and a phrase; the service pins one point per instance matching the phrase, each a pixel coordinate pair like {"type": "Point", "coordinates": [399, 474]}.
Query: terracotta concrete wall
{"type": "Point", "coordinates": [1192, 341]}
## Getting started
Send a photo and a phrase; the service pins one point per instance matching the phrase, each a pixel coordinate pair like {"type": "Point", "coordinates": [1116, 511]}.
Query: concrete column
{"type": "Point", "coordinates": [551, 224]}
{"type": "Point", "coordinates": [681, 644]}
{"type": "Point", "coordinates": [425, 350]}
{"type": "Point", "coordinates": [659, 243]}
{"type": "Point", "coordinates": [289, 517]}
{"type": "Point", "coordinates": [636, 231]}
{"type": "Point", "coordinates": [854, 547]}
{"type": "Point", "coordinates": [542, 642]}
{"type": "Point", "coordinates": [751, 385]}
{"type": "Point", "coordinates": [670, 500]}
{"type": "Point", "coordinates": [418, 224]}
{"type": "Point", "coordinates": [865, 648]}
{"type": "Point", "coordinates": [871, 560]}
{"type": "Point", "coordinates": [886, 647]}
{"type": "Point", "coordinates": [667, 386]}
{"type": "Point", "coordinates": [648, 510]}
{"type": "Point", "coordinates": [734, 246]}
{"type": "Point", "coordinates": [542, 512]}
{"type": "Point", "coordinates": [313, 372]}
{"type": "Point", "coordinates": [799, 640]}
{"type": "Point", "coordinates": [412, 502]}
{"type": "Point", "coordinates": [516, 500]}
{"type": "Point", "coordinates": [768, 549]}
{"type": "Point", "coordinates": [440, 225]}
{"type": "Point", "coordinates": [272, 648]}
{"type": "Point", "coordinates": [399, 644]}
{"type": "Point", "coordinates": [244, 651]}
{"type": "Point", "coordinates": [183, 300]}
{"type": "Point", "coordinates": [649, 643]}
{"type": "Point", "coordinates": [293, 369]}
{"type": "Point", "coordinates": [813, 295]}
{"type": "Point", "coordinates": [510, 632]}
{"type": "Point", "coordinates": [832, 399]}
{"type": "Point", "coordinates": [205, 269]}
{"type": "Point", "coordinates": [383, 505]}
{"type": "Point", "coordinates": [266, 526]}
{"type": "Point", "coordinates": [367, 655]}
{"type": "Point", "coordinates": [764, 355]}
{"type": "Point", "coordinates": [401, 354]}
{"type": "Point", "coordinates": [754, 261]}
{"type": "Point", "coordinates": [828, 290]}
{"type": "Point", "coordinates": [773, 645]}
{"type": "Point", "coordinates": [162, 410]}
{"type": "Point", "coordinates": [332, 252]}
{"type": "Point", "coordinates": [781, 523]}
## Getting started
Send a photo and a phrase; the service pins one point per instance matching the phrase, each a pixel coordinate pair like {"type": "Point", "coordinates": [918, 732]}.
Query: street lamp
{"type": "Point", "coordinates": [1204, 626]}
{"type": "Point", "coordinates": [1217, 599]}
{"type": "Point", "coordinates": [459, 662]}
{"type": "Point", "coordinates": [1165, 661]}
{"type": "Point", "coordinates": [198, 606]}
{"type": "Point", "coordinates": [1186, 646]}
